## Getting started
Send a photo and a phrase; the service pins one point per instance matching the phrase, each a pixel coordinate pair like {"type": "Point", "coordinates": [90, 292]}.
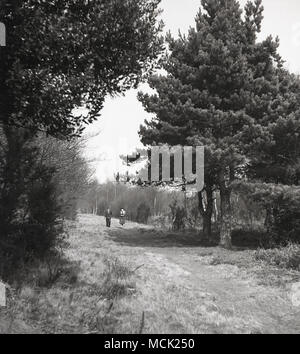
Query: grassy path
{"type": "Point", "coordinates": [183, 288]}
{"type": "Point", "coordinates": [137, 279]}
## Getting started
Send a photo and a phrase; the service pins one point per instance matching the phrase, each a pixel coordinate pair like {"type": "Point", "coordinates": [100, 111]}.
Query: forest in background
{"type": "Point", "coordinates": [170, 208]}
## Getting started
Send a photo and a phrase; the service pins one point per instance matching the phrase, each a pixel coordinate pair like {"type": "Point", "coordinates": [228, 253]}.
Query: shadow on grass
{"type": "Point", "coordinates": [139, 237]}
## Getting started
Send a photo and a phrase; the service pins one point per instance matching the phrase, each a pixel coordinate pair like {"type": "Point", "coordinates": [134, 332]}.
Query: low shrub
{"type": "Point", "coordinates": [116, 282]}
{"type": "Point", "coordinates": [143, 213]}
{"type": "Point", "coordinates": [281, 205]}
{"type": "Point", "coordinates": [249, 238]}
{"type": "Point", "coordinates": [283, 257]}
{"type": "Point", "coordinates": [178, 215]}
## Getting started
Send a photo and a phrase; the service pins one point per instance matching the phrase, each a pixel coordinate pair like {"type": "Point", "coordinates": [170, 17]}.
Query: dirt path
{"type": "Point", "coordinates": [234, 293]}
{"type": "Point", "coordinates": [184, 288]}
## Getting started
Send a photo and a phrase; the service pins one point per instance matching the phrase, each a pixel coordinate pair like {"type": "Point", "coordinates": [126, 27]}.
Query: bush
{"type": "Point", "coordinates": [282, 210]}
{"type": "Point", "coordinates": [283, 257]}
{"type": "Point", "coordinates": [38, 189]}
{"type": "Point", "coordinates": [36, 229]}
{"type": "Point", "coordinates": [116, 279]}
{"type": "Point", "coordinates": [143, 213]}
{"type": "Point", "coordinates": [44, 229]}
{"type": "Point", "coordinates": [287, 217]}
{"type": "Point", "coordinates": [178, 215]}
{"type": "Point", "coordinates": [250, 238]}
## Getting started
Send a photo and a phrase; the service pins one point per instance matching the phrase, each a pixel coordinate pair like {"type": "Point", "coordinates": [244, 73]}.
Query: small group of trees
{"type": "Point", "coordinates": [225, 90]}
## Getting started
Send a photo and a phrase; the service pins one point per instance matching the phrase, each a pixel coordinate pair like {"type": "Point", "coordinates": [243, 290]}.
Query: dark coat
{"type": "Point", "coordinates": [108, 213]}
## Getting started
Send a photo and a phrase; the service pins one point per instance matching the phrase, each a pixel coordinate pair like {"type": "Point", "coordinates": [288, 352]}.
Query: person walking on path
{"type": "Point", "coordinates": [122, 216]}
{"type": "Point", "coordinates": [108, 215]}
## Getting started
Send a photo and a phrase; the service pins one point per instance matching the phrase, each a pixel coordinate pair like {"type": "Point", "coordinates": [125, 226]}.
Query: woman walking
{"type": "Point", "coordinates": [122, 216]}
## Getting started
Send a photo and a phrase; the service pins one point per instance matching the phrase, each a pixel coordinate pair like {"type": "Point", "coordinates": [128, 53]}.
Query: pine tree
{"type": "Point", "coordinates": [220, 83]}
{"type": "Point", "coordinates": [274, 145]}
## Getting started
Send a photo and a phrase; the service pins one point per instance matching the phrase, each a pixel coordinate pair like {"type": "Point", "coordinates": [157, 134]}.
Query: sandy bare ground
{"type": "Point", "coordinates": [184, 288]}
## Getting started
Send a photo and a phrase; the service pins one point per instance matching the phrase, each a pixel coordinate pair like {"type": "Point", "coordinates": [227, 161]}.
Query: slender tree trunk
{"type": "Point", "coordinates": [215, 208]}
{"type": "Point", "coordinates": [226, 217]}
{"type": "Point", "coordinates": [269, 219]}
{"type": "Point", "coordinates": [206, 212]}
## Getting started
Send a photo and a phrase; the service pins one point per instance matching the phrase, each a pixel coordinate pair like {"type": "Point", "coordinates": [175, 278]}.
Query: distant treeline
{"type": "Point", "coordinates": [253, 209]}
{"type": "Point", "coordinates": [140, 203]}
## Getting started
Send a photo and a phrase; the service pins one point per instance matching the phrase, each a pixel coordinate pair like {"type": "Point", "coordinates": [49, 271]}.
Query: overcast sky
{"type": "Point", "coordinates": [122, 116]}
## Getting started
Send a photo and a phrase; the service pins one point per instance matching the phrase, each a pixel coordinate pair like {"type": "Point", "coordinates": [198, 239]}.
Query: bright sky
{"type": "Point", "coordinates": [122, 116]}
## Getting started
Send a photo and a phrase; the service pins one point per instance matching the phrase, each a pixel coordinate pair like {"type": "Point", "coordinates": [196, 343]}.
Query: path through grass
{"type": "Point", "coordinates": [136, 279]}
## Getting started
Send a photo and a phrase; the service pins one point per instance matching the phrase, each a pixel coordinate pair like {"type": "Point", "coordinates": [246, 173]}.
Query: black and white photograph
{"type": "Point", "coordinates": [149, 170]}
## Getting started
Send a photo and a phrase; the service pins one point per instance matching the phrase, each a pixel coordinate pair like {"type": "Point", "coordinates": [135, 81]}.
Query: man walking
{"type": "Point", "coordinates": [108, 215]}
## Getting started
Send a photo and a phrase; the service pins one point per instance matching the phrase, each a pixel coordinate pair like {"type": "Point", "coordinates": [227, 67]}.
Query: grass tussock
{"type": "Point", "coordinates": [55, 299]}
{"type": "Point", "coordinates": [284, 257]}
{"type": "Point", "coordinates": [117, 278]}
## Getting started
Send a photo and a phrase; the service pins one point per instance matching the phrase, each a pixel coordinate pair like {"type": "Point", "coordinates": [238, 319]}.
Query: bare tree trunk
{"type": "Point", "coordinates": [269, 219]}
{"type": "Point", "coordinates": [206, 212]}
{"type": "Point", "coordinates": [215, 208]}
